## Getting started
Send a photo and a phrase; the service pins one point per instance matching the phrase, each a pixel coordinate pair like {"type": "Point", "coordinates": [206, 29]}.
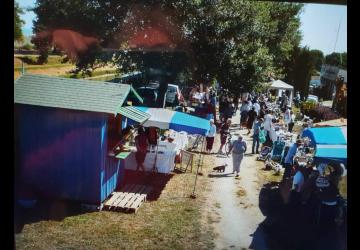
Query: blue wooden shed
{"type": "Point", "coordinates": [64, 132]}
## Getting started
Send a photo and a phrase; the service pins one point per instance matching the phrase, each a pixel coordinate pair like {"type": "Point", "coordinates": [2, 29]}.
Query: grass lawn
{"type": "Point", "coordinates": [31, 60]}
{"type": "Point", "coordinates": [173, 221]}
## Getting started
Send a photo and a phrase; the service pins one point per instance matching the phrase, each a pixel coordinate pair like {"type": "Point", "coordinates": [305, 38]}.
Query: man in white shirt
{"type": "Point", "coordinates": [256, 105]}
{"type": "Point", "coordinates": [298, 182]}
{"type": "Point", "coordinates": [210, 137]}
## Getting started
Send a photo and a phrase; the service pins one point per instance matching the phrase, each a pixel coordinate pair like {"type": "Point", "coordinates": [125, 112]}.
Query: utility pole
{"type": "Point", "coordinates": [337, 35]}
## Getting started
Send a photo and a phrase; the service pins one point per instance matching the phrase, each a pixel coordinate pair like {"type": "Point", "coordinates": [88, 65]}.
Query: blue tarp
{"type": "Point", "coordinates": [327, 135]}
{"type": "Point", "coordinates": [330, 143]}
{"type": "Point", "coordinates": [327, 153]}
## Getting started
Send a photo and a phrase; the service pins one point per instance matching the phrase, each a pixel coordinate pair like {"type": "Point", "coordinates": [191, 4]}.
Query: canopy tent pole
{"type": "Point", "coordinates": [200, 162]}
{"type": "Point", "coordinates": [157, 147]}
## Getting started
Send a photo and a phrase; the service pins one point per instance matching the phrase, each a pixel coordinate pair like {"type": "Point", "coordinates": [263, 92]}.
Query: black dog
{"type": "Point", "coordinates": [220, 168]}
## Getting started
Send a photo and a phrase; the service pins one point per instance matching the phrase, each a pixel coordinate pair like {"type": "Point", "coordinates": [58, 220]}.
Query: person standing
{"type": "Point", "coordinates": [213, 103]}
{"type": "Point", "coordinates": [222, 105]}
{"type": "Point", "coordinates": [224, 132]}
{"type": "Point", "coordinates": [291, 121]}
{"type": "Point", "coordinates": [244, 109]}
{"type": "Point", "coordinates": [229, 108]}
{"type": "Point", "coordinates": [141, 143]}
{"type": "Point", "coordinates": [251, 118]}
{"type": "Point", "coordinates": [289, 159]}
{"type": "Point", "coordinates": [210, 137]}
{"type": "Point", "coordinates": [287, 116]}
{"type": "Point", "coordinates": [298, 182]}
{"type": "Point", "coordinates": [256, 139]}
{"type": "Point", "coordinates": [238, 149]}
{"type": "Point", "coordinates": [256, 105]}
{"type": "Point", "coordinates": [268, 121]}
{"type": "Point", "coordinates": [236, 102]}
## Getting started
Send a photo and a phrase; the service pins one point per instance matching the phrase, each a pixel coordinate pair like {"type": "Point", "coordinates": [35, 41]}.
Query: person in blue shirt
{"type": "Point", "coordinates": [289, 158]}
{"type": "Point", "coordinates": [257, 127]}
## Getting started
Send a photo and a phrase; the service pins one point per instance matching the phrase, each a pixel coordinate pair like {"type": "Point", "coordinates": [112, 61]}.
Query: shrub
{"type": "Point", "coordinates": [27, 47]}
{"type": "Point", "coordinates": [307, 105]}
{"type": "Point", "coordinates": [321, 113]}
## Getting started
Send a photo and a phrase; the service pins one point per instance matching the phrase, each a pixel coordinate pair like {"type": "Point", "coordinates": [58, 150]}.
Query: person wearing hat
{"type": "Point", "coordinates": [210, 136]}
{"type": "Point", "coordinates": [238, 149]}
{"type": "Point", "coordinates": [289, 158]}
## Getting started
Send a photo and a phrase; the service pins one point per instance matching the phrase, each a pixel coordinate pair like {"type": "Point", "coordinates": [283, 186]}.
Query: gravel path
{"type": "Point", "coordinates": [236, 201]}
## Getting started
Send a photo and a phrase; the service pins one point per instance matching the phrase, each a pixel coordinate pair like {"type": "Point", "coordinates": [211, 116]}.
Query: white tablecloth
{"type": "Point", "coordinates": [164, 163]}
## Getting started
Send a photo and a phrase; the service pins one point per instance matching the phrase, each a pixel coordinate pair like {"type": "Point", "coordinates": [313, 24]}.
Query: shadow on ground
{"type": "Point", "coordinates": [292, 227]}
{"type": "Point", "coordinates": [157, 181]}
{"type": "Point", "coordinates": [45, 209]}
{"type": "Point", "coordinates": [58, 210]}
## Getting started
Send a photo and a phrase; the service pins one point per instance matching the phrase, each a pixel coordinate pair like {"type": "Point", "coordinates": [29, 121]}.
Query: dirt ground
{"type": "Point", "coordinates": [228, 213]}
{"type": "Point", "coordinates": [249, 213]}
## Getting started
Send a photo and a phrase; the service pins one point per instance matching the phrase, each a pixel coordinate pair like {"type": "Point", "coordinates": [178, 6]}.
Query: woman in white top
{"type": "Point", "coordinates": [210, 136]}
{"type": "Point", "coordinates": [268, 121]}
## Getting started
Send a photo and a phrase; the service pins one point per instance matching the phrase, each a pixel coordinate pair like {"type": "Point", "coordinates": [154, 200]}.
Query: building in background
{"type": "Point", "coordinates": [328, 76]}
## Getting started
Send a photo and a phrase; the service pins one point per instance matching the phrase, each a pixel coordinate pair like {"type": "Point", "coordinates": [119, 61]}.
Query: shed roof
{"type": "Point", "coordinates": [134, 114]}
{"type": "Point", "coordinates": [57, 92]}
{"type": "Point", "coordinates": [278, 84]}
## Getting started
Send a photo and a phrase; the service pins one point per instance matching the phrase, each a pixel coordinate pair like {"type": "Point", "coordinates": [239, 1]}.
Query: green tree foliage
{"type": "Point", "coordinates": [318, 58]}
{"type": "Point", "coordinates": [18, 36]}
{"type": "Point", "coordinates": [301, 67]}
{"type": "Point", "coordinates": [337, 59]}
{"type": "Point", "coordinates": [238, 42]}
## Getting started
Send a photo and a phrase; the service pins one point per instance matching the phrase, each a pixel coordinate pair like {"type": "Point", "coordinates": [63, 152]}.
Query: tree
{"type": "Point", "coordinates": [301, 67]}
{"type": "Point", "coordinates": [337, 59]}
{"type": "Point", "coordinates": [318, 58]}
{"type": "Point", "coordinates": [18, 36]}
{"type": "Point", "coordinates": [237, 42]}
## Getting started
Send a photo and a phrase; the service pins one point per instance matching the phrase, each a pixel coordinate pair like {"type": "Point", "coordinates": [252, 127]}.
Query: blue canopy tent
{"type": "Point", "coordinates": [178, 121]}
{"type": "Point", "coordinates": [330, 144]}
{"type": "Point", "coordinates": [327, 135]}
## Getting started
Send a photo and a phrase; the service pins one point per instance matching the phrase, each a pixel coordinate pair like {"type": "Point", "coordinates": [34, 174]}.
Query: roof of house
{"type": "Point", "coordinates": [57, 92]}
{"type": "Point", "coordinates": [278, 84]}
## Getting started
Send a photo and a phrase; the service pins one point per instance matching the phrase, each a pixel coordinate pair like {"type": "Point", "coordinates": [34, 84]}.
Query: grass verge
{"type": "Point", "coordinates": [171, 222]}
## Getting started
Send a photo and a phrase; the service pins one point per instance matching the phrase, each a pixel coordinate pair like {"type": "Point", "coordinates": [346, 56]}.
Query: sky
{"type": "Point", "coordinates": [319, 26]}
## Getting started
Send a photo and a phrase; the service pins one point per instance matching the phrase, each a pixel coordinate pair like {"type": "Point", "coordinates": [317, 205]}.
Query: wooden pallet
{"type": "Point", "coordinates": [129, 199]}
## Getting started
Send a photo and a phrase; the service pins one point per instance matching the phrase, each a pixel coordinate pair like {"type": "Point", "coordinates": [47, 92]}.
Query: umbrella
{"type": "Point", "coordinates": [178, 121]}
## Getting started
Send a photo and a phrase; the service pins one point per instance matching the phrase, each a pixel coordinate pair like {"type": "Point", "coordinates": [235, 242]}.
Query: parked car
{"type": "Point", "coordinates": [313, 98]}
{"type": "Point", "coordinates": [149, 95]}
{"type": "Point", "coordinates": [173, 95]}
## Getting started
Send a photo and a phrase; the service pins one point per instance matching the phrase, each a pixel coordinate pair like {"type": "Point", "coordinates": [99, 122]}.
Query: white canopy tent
{"type": "Point", "coordinates": [281, 87]}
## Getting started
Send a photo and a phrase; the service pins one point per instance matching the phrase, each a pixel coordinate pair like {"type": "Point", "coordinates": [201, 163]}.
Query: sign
{"type": "Point", "coordinates": [329, 72]}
